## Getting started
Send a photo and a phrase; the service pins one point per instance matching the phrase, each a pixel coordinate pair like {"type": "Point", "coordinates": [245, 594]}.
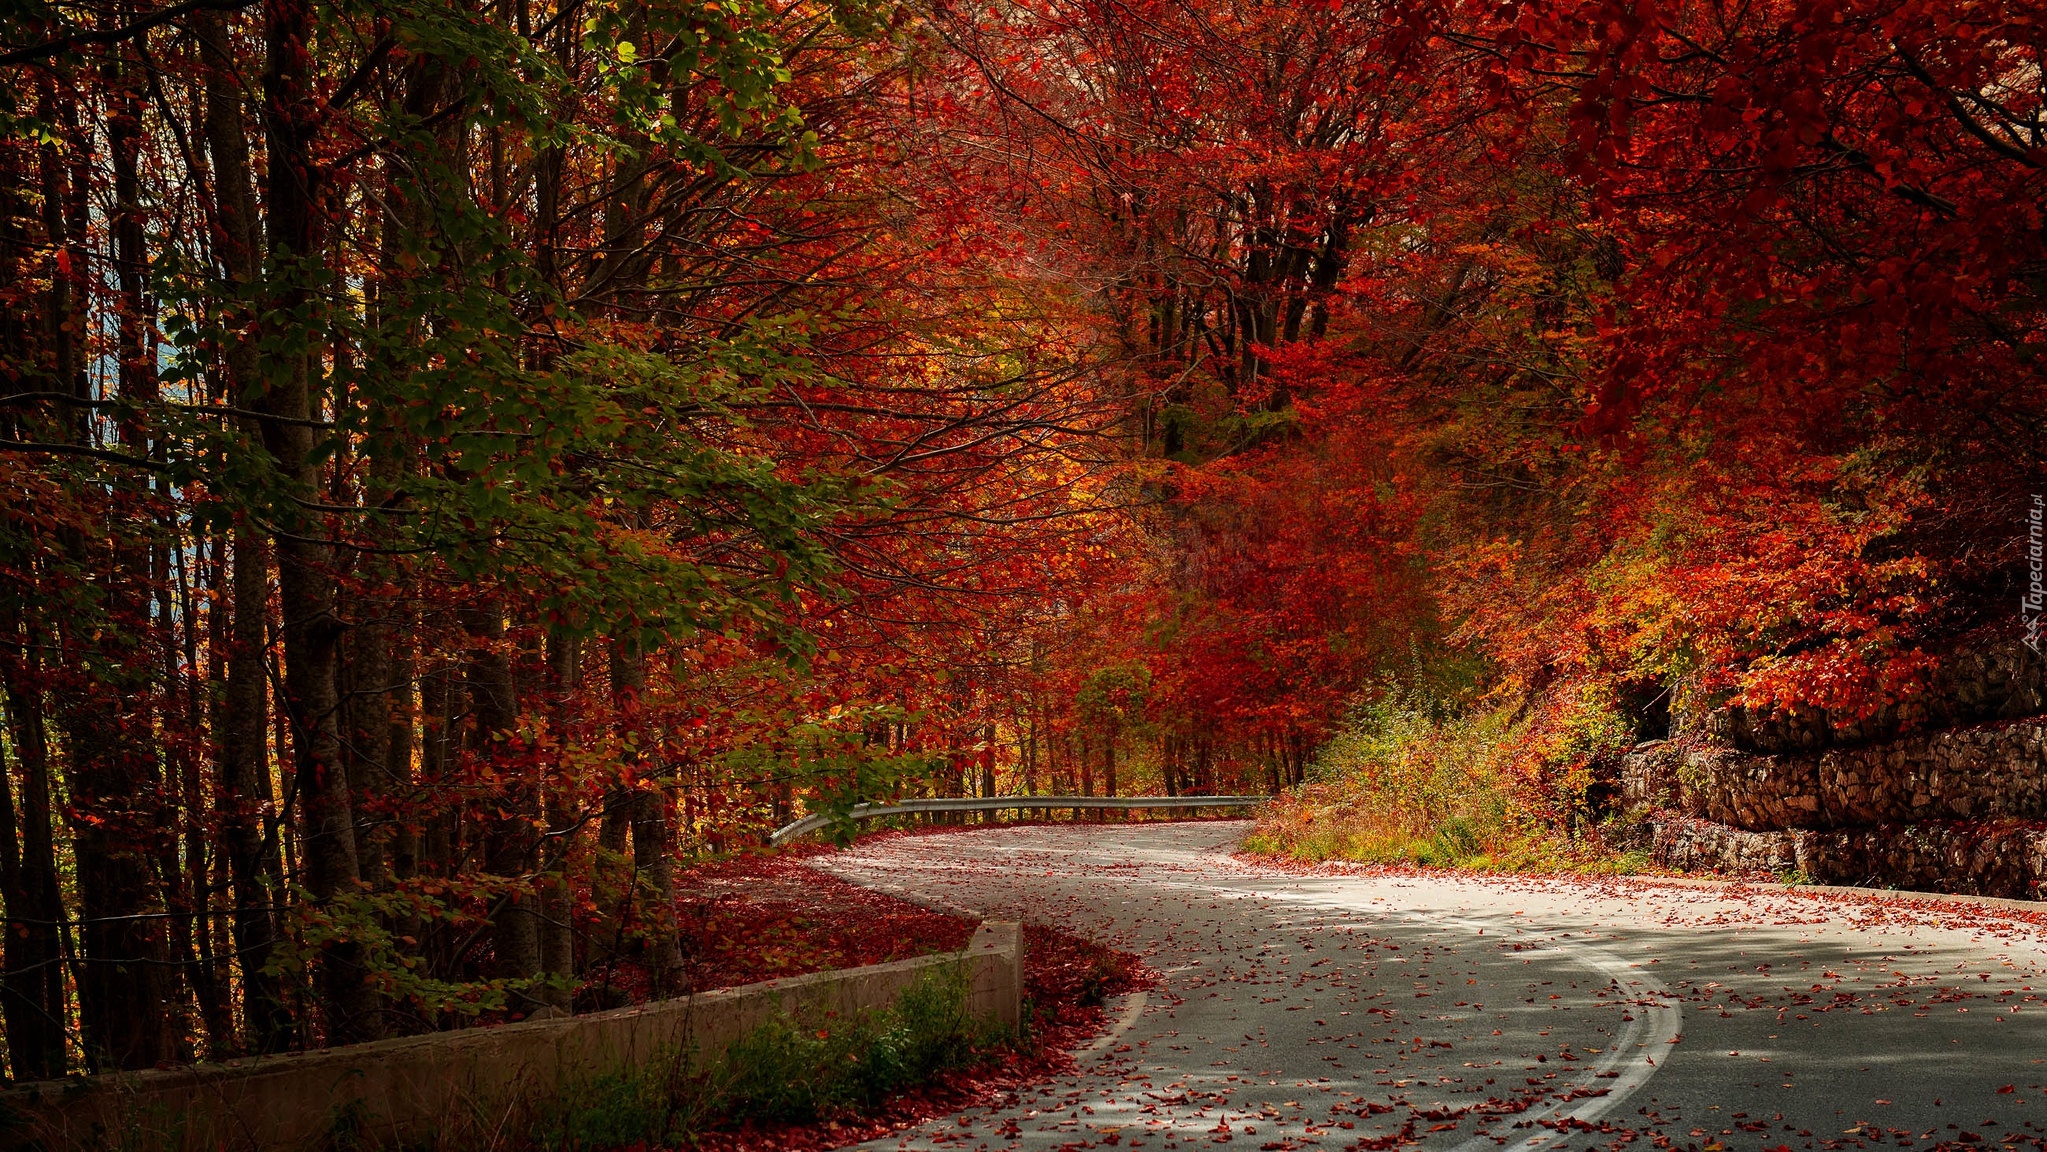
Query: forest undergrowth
{"type": "Point", "coordinates": [1414, 778]}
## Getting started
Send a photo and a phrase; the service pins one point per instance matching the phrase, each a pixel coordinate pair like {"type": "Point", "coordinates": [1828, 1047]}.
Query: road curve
{"type": "Point", "coordinates": [1362, 1011]}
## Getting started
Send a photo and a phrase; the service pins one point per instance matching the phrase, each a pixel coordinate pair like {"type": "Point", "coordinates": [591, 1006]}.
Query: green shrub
{"type": "Point", "coordinates": [785, 1070]}
{"type": "Point", "coordinates": [1417, 780]}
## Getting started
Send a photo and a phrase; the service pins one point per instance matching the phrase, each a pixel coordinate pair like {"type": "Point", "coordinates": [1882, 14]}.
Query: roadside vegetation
{"type": "Point", "coordinates": [801, 1084]}
{"type": "Point", "coordinates": [815, 1084]}
{"type": "Point", "coordinates": [786, 1071]}
{"type": "Point", "coordinates": [1418, 777]}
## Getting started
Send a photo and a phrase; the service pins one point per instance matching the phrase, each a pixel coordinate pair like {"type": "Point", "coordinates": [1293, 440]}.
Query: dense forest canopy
{"type": "Point", "coordinates": [461, 459]}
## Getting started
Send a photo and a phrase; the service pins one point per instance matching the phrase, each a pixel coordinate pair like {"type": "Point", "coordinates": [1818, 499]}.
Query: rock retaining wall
{"type": "Point", "coordinates": [1958, 810]}
{"type": "Point", "coordinates": [439, 1090]}
{"type": "Point", "coordinates": [1959, 774]}
{"type": "Point", "coordinates": [1978, 858]}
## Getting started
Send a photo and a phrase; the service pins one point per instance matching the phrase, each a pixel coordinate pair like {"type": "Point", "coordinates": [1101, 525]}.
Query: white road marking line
{"type": "Point", "coordinates": [1133, 1009]}
{"type": "Point", "coordinates": [1661, 1018]}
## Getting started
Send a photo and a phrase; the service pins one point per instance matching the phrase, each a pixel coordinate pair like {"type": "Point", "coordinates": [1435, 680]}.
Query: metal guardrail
{"type": "Point", "coordinates": [812, 823]}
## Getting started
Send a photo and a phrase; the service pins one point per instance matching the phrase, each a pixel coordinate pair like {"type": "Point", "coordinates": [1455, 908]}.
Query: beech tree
{"type": "Point", "coordinates": [462, 463]}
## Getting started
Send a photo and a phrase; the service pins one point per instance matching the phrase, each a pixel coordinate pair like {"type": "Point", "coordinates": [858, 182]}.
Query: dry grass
{"type": "Point", "coordinates": [1411, 781]}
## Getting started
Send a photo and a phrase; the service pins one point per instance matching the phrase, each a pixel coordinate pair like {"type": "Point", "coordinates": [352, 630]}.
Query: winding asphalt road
{"type": "Point", "coordinates": [1367, 1010]}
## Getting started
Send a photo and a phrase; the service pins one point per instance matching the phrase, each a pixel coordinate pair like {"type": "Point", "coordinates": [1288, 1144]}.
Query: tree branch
{"type": "Point", "coordinates": [66, 43]}
{"type": "Point", "coordinates": [101, 454]}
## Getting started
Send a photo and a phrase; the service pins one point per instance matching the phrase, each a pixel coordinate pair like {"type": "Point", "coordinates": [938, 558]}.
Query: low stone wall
{"type": "Point", "coordinates": [1700, 846]}
{"type": "Point", "coordinates": [1976, 858]}
{"type": "Point", "coordinates": [1959, 774]}
{"type": "Point", "coordinates": [1940, 808]}
{"type": "Point", "coordinates": [440, 1089]}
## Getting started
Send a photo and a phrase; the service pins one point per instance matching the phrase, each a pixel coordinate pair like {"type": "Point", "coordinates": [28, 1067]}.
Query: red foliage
{"type": "Point", "coordinates": [758, 918]}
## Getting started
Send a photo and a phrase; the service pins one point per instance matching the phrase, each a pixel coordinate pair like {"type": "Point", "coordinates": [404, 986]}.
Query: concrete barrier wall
{"type": "Point", "coordinates": [447, 1088]}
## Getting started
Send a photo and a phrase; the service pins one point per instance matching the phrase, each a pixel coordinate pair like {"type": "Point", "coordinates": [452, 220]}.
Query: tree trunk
{"type": "Point", "coordinates": [404, 837]}
{"type": "Point", "coordinates": [438, 744]}
{"type": "Point", "coordinates": [646, 811]}
{"type": "Point", "coordinates": [1030, 760]}
{"type": "Point", "coordinates": [988, 763]}
{"type": "Point", "coordinates": [1109, 763]}
{"type": "Point", "coordinates": [32, 999]}
{"type": "Point", "coordinates": [244, 781]}
{"type": "Point", "coordinates": [366, 744]}
{"type": "Point", "coordinates": [243, 774]}
{"type": "Point", "coordinates": [312, 633]}
{"type": "Point", "coordinates": [510, 836]}
{"type": "Point", "coordinates": [32, 994]}
{"type": "Point", "coordinates": [557, 893]}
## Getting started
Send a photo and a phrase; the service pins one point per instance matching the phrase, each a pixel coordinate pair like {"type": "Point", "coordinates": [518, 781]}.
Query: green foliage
{"type": "Point", "coordinates": [831, 757]}
{"type": "Point", "coordinates": [1113, 697]}
{"type": "Point", "coordinates": [366, 919]}
{"type": "Point", "coordinates": [784, 1070]}
{"type": "Point", "coordinates": [528, 446]}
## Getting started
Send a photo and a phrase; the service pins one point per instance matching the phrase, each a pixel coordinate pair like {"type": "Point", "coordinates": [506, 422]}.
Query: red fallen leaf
{"type": "Point", "coordinates": [2007, 1090]}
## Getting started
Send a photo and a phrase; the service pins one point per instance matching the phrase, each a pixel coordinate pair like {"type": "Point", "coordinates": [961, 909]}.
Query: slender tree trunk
{"type": "Point", "coordinates": [32, 998]}
{"type": "Point", "coordinates": [244, 781]}
{"type": "Point", "coordinates": [437, 750]}
{"type": "Point", "coordinates": [366, 744]}
{"type": "Point", "coordinates": [404, 839]}
{"type": "Point", "coordinates": [654, 860]}
{"type": "Point", "coordinates": [628, 675]}
{"type": "Point", "coordinates": [988, 763]}
{"type": "Point", "coordinates": [510, 837]}
{"type": "Point", "coordinates": [209, 979]}
{"type": "Point", "coordinates": [556, 893]}
{"type": "Point", "coordinates": [243, 774]}
{"type": "Point", "coordinates": [653, 842]}
{"type": "Point", "coordinates": [1058, 763]}
{"type": "Point", "coordinates": [1030, 760]}
{"type": "Point", "coordinates": [312, 632]}
{"type": "Point", "coordinates": [32, 994]}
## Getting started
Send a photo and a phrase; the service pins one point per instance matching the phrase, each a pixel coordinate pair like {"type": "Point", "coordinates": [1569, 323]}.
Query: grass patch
{"type": "Point", "coordinates": [784, 1071]}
